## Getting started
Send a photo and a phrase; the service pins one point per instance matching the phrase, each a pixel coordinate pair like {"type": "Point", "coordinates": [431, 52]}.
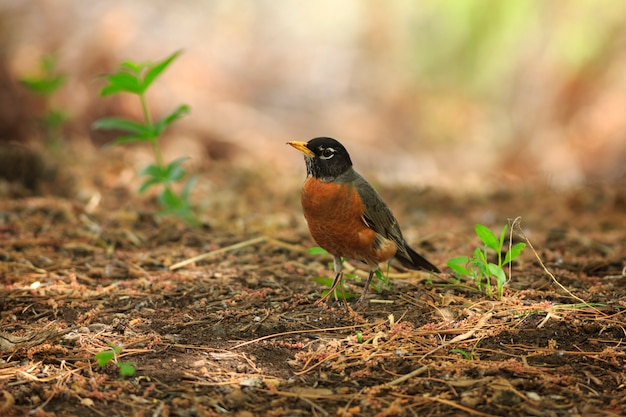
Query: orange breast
{"type": "Point", "coordinates": [334, 213]}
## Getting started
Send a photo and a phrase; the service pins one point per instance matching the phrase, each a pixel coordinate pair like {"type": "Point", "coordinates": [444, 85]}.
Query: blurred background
{"type": "Point", "coordinates": [463, 95]}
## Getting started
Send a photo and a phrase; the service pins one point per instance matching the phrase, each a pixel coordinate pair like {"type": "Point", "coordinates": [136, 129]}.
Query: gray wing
{"type": "Point", "coordinates": [379, 218]}
{"type": "Point", "coordinates": [377, 215]}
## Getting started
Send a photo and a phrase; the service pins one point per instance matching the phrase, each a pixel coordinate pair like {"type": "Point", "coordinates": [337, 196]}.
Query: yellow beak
{"type": "Point", "coordinates": [301, 146]}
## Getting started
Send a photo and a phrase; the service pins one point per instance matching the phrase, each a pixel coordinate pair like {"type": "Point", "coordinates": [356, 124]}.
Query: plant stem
{"type": "Point", "coordinates": [154, 141]}
{"type": "Point", "coordinates": [144, 108]}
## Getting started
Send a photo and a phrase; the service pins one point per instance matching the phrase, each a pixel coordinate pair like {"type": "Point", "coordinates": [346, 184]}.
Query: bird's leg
{"type": "Point", "coordinates": [338, 266]}
{"type": "Point", "coordinates": [367, 284]}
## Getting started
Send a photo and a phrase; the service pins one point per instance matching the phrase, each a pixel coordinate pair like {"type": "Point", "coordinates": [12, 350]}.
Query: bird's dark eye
{"type": "Point", "coordinates": [328, 153]}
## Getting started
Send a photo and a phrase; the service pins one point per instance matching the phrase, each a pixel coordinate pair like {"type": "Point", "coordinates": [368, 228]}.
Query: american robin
{"type": "Point", "coordinates": [346, 216]}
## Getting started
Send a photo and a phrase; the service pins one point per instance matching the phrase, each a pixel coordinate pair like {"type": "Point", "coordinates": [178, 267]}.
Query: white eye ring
{"type": "Point", "coordinates": [327, 153]}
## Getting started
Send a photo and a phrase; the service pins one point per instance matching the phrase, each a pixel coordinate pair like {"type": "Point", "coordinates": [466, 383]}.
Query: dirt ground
{"type": "Point", "coordinates": [239, 332]}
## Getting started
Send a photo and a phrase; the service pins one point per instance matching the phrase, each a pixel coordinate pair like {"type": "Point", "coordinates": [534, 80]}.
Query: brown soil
{"type": "Point", "coordinates": [239, 332]}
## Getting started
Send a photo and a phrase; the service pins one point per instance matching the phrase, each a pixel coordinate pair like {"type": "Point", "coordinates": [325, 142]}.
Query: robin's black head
{"type": "Point", "coordinates": [324, 157]}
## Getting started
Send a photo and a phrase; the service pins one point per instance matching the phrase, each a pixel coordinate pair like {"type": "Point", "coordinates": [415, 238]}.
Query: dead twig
{"type": "Point", "coordinates": [250, 242]}
{"type": "Point", "coordinates": [272, 336]}
{"type": "Point", "coordinates": [219, 251]}
{"type": "Point", "coordinates": [515, 223]}
{"type": "Point", "coordinates": [408, 376]}
{"type": "Point", "coordinates": [462, 407]}
{"type": "Point", "coordinates": [550, 274]}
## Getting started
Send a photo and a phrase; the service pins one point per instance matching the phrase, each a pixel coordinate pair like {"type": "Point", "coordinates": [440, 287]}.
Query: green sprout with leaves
{"type": "Point", "coordinates": [136, 78]}
{"type": "Point", "coordinates": [46, 85]}
{"type": "Point", "coordinates": [379, 282]}
{"type": "Point", "coordinates": [478, 267]}
{"type": "Point", "coordinates": [110, 355]}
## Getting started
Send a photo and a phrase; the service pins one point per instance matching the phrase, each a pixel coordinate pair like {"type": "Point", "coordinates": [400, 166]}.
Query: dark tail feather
{"type": "Point", "coordinates": [413, 260]}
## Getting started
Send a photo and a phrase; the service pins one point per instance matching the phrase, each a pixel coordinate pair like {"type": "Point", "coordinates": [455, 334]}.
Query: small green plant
{"type": "Point", "coordinates": [464, 353]}
{"type": "Point", "coordinates": [110, 355]}
{"type": "Point", "coordinates": [478, 267]}
{"type": "Point", "coordinates": [381, 281]}
{"type": "Point", "coordinates": [340, 290]}
{"type": "Point", "coordinates": [136, 78]}
{"type": "Point", "coordinates": [46, 85]}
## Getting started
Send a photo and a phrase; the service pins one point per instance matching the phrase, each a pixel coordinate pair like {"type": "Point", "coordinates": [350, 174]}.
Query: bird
{"type": "Point", "coordinates": [346, 216]}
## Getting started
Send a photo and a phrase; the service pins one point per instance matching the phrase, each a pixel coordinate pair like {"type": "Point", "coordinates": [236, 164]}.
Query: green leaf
{"type": "Point", "coordinates": [122, 140]}
{"type": "Point", "coordinates": [139, 132]}
{"type": "Point", "coordinates": [155, 70]}
{"type": "Point", "coordinates": [168, 174]}
{"type": "Point", "coordinates": [353, 277]}
{"type": "Point", "coordinates": [149, 183]}
{"type": "Point", "coordinates": [488, 238]}
{"type": "Point", "coordinates": [479, 256]}
{"type": "Point", "coordinates": [126, 368]}
{"type": "Point", "coordinates": [459, 265]}
{"type": "Point", "coordinates": [514, 252]}
{"type": "Point", "coordinates": [463, 353]}
{"type": "Point", "coordinates": [341, 289]}
{"type": "Point", "coordinates": [162, 124]}
{"type": "Point", "coordinates": [173, 172]}
{"type": "Point", "coordinates": [175, 204]}
{"type": "Point", "coordinates": [171, 201]}
{"type": "Point", "coordinates": [116, 348]}
{"type": "Point", "coordinates": [122, 82]}
{"type": "Point", "coordinates": [133, 67]}
{"type": "Point", "coordinates": [380, 276]}
{"type": "Point", "coordinates": [316, 250]}
{"type": "Point", "coordinates": [502, 236]}
{"type": "Point", "coordinates": [153, 170]}
{"type": "Point", "coordinates": [187, 188]}
{"type": "Point", "coordinates": [44, 86]}
{"type": "Point", "coordinates": [325, 281]}
{"type": "Point", "coordinates": [381, 282]}
{"type": "Point", "coordinates": [480, 263]}
{"type": "Point", "coordinates": [345, 294]}
{"type": "Point", "coordinates": [104, 357]}
{"type": "Point", "coordinates": [49, 82]}
{"type": "Point", "coordinates": [137, 129]}
{"type": "Point", "coordinates": [498, 272]}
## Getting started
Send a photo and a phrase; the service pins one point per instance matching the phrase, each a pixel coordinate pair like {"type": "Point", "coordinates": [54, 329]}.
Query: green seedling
{"type": "Point", "coordinates": [45, 86]}
{"type": "Point", "coordinates": [478, 267]}
{"type": "Point", "coordinates": [136, 78]}
{"type": "Point", "coordinates": [110, 355]}
{"type": "Point", "coordinates": [465, 354]}
{"type": "Point", "coordinates": [379, 282]}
